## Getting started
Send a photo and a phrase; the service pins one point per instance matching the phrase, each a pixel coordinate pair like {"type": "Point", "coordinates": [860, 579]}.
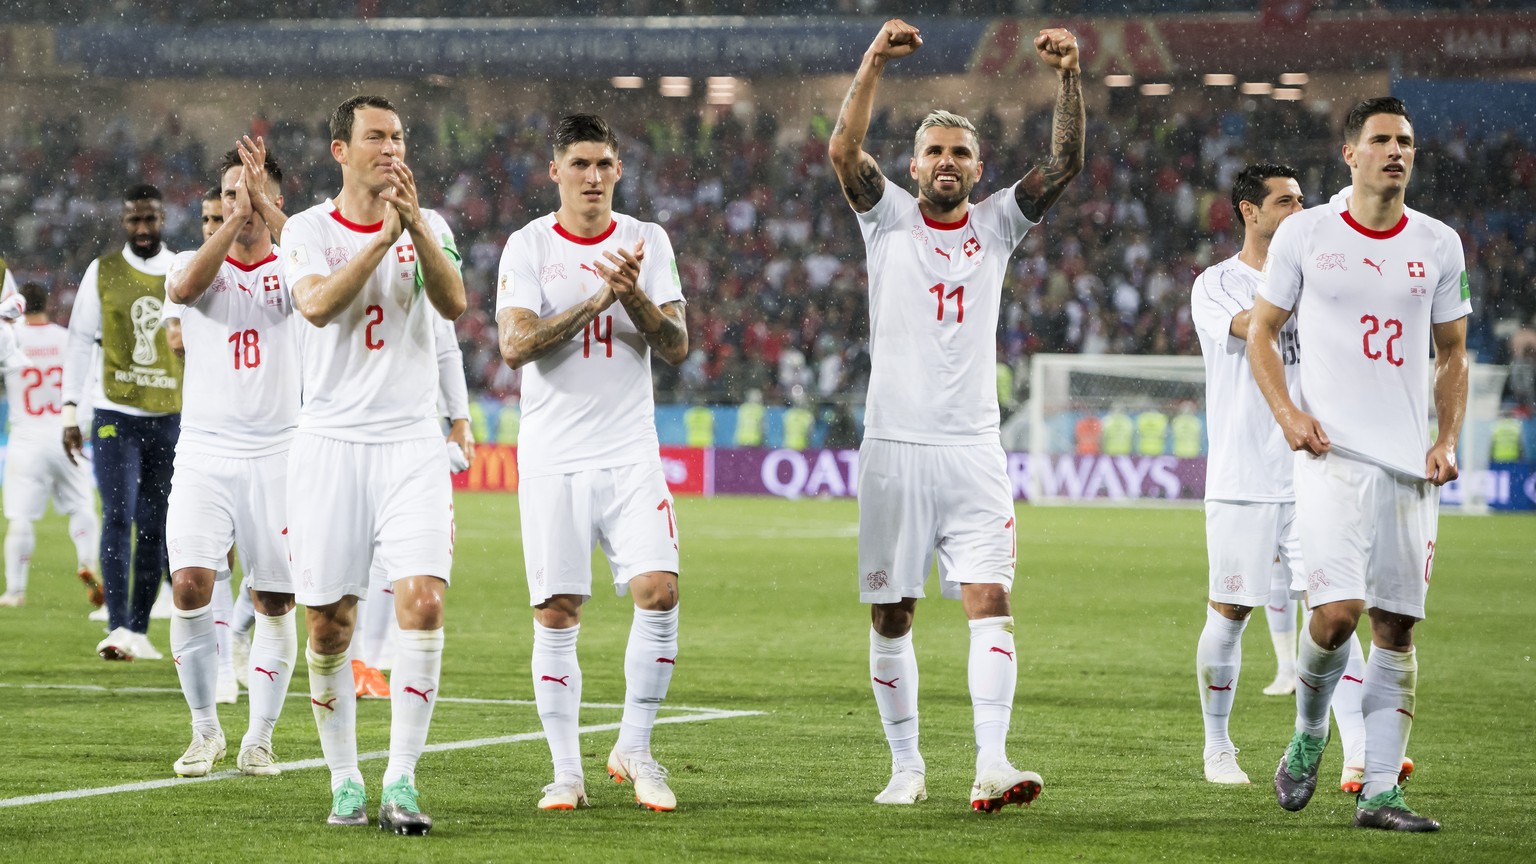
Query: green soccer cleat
{"type": "Point", "coordinates": [1296, 775]}
{"type": "Point", "coordinates": [349, 804]}
{"type": "Point", "coordinates": [1389, 812]}
{"type": "Point", "coordinates": [399, 812]}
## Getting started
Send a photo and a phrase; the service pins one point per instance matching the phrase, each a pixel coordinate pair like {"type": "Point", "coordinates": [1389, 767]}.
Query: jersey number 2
{"type": "Point", "coordinates": [957, 295]}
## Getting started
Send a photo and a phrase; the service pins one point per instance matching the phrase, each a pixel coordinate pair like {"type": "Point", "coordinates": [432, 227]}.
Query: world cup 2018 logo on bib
{"type": "Point", "coordinates": [145, 317]}
{"type": "Point", "coordinates": [876, 581]}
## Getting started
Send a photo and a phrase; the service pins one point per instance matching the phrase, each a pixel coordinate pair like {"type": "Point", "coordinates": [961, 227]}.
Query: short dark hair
{"type": "Point", "coordinates": [346, 112]}
{"type": "Point", "coordinates": [1369, 108]}
{"type": "Point", "coordinates": [232, 160]}
{"type": "Point", "coordinates": [36, 297]}
{"type": "Point", "coordinates": [142, 192]}
{"type": "Point", "coordinates": [1250, 185]}
{"type": "Point", "coordinates": [576, 128]}
{"type": "Point", "coordinates": [214, 193]}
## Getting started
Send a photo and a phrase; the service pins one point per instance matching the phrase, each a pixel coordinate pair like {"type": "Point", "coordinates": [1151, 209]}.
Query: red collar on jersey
{"type": "Point", "coordinates": [1376, 235]}
{"type": "Point", "coordinates": [588, 241]}
{"type": "Point", "coordinates": [361, 229]}
{"type": "Point", "coordinates": [249, 267]}
{"type": "Point", "coordinates": [946, 226]}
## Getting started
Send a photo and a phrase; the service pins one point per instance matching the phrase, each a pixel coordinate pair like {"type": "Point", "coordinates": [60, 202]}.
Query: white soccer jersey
{"type": "Point", "coordinates": [35, 390]}
{"type": "Point", "coordinates": [240, 390]}
{"type": "Point", "coordinates": [1366, 301]}
{"type": "Point", "coordinates": [370, 376]}
{"type": "Point", "coordinates": [934, 293]}
{"type": "Point", "coordinates": [588, 403]}
{"type": "Point", "coordinates": [1249, 459]}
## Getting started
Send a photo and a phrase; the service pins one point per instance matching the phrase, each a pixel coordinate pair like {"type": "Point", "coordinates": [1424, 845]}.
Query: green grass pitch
{"type": "Point", "coordinates": [1108, 602]}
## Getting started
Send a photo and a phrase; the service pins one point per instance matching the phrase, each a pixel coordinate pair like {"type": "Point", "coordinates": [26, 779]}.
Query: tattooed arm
{"type": "Point", "coordinates": [664, 327]}
{"type": "Point", "coordinates": [857, 171]}
{"type": "Point", "coordinates": [1045, 182]}
{"type": "Point", "coordinates": [526, 337]}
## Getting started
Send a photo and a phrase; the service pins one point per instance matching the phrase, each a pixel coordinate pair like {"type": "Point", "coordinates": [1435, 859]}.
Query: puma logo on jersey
{"type": "Point", "coordinates": [591, 270]}
{"type": "Point", "coordinates": [941, 252]}
{"type": "Point", "coordinates": [1374, 264]}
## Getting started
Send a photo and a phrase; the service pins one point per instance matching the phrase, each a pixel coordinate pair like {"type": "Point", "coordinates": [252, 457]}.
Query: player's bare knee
{"type": "Point", "coordinates": [893, 620]}
{"type": "Point", "coordinates": [330, 627]}
{"type": "Point", "coordinates": [271, 603]}
{"type": "Point", "coordinates": [559, 612]}
{"type": "Point", "coordinates": [1333, 624]}
{"type": "Point", "coordinates": [192, 587]}
{"type": "Point", "coordinates": [655, 591]}
{"type": "Point", "coordinates": [1392, 631]}
{"type": "Point", "coordinates": [1231, 611]}
{"type": "Point", "coordinates": [985, 601]}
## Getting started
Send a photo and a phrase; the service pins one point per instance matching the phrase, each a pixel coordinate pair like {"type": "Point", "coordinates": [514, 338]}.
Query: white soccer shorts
{"type": "Point", "coordinates": [38, 470]}
{"type": "Point", "coordinates": [921, 501]}
{"type": "Point", "coordinates": [351, 505]}
{"type": "Point", "coordinates": [217, 501]}
{"type": "Point", "coordinates": [1367, 533]}
{"type": "Point", "coordinates": [1242, 539]}
{"type": "Point", "coordinates": [627, 511]}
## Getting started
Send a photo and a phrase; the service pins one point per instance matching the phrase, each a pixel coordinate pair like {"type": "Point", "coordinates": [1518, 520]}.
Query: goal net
{"type": "Point", "coordinates": [1131, 430]}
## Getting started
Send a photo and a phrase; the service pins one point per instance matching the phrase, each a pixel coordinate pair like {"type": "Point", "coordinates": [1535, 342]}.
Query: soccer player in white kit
{"type": "Point", "coordinates": [932, 476]}
{"type": "Point", "coordinates": [588, 458]}
{"type": "Point", "coordinates": [1371, 285]}
{"type": "Point", "coordinates": [36, 468]}
{"type": "Point", "coordinates": [371, 271]}
{"type": "Point", "coordinates": [240, 406]}
{"type": "Point", "coordinates": [1250, 508]}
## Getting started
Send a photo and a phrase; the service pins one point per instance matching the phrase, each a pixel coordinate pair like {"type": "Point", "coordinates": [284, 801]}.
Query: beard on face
{"type": "Point", "coordinates": [947, 200]}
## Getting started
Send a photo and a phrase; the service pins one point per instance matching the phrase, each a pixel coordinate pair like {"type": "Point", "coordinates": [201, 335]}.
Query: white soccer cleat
{"type": "Point", "coordinates": [1003, 784]}
{"type": "Point", "coordinates": [650, 779]}
{"type": "Point", "coordinates": [258, 760]}
{"type": "Point", "coordinates": [1222, 768]}
{"type": "Point", "coordinates": [566, 793]}
{"type": "Point", "coordinates": [13, 599]}
{"type": "Point", "coordinates": [906, 787]}
{"type": "Point", "coordinates": [143, 649]}
{"type": "Point", "coordinates": [240, 655]}
{"type": "Point", "coordinates": [120, 644]}
{"type": "Point", "coordinates": [204, 753]}
{"type": "Point", "coordinates": [97, 615]}
{"type": "Point", "coordinates": [226, 691]}
{"type": "Point", "coordinates": [163, 607]}
{"type": "Point", "coordinates": [1283, 685]}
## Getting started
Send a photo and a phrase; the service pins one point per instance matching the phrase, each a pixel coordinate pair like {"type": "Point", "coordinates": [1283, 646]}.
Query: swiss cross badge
{"type": "Point", "coordinates": [1416, 269]}
{"type": "Point", "coordinates": [270, 283]}
{"type": "Point", "coordinates": [972, 246]}
{"type": "Point", "coordinates": [406, 253]}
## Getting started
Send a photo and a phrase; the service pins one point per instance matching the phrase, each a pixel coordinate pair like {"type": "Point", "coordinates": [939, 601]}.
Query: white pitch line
{"type": "Point", "coordinates": [696, 715]}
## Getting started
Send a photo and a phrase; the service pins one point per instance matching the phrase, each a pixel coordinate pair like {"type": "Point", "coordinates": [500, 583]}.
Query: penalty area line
{"type": "Point", "coordinates": [695, 715]}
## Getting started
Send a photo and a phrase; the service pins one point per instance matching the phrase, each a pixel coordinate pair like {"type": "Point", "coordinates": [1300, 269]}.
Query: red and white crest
{"type": "Point", "coordinates": [406, 253]}
{"type": "Point", "coordinates": [270, 282]}
{"type": "Point", "coordinates": [972, 246]}
{"type": "Point", "coordinates": [1416, 269]}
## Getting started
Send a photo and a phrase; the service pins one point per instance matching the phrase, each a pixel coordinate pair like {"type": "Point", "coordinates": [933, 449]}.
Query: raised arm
{"type": "Point", "coordinates": [1046, 181]}
{"type": "Point", "coordinates": [321, 298]}
{"type": "Point", "coordinates": [254, 155]}
{"type": "Point", "coordinates": [1450, 399]}
{"type": "Point", "coordinates": [664, 327]}
{"type": "Point", "coordinates": [1301, 429]}
{"type": "Point", "coordinates": [188, 283]}
{"type": "Point", "coordinates": [857, 171]}
{"type": "Point", "coordinates": [440, 275]}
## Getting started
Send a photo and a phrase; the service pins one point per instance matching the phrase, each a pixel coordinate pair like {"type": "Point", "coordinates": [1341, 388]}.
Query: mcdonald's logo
{"type": "Point", "coordinates": [494, 469]}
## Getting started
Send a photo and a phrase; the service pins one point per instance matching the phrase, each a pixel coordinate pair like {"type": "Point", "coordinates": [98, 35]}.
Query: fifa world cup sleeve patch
{"type": "Point", "coordinates": [298, 255]}
{"type": "Point", "coordinates": [1466, 289]}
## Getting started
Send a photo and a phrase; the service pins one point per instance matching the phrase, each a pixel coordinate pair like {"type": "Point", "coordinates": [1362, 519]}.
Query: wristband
{"type": "Point", "coordinates": [67, 414]}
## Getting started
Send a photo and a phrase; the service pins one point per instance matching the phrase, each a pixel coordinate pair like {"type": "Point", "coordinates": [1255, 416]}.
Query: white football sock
{"type": "Point", "coordinates": [1280, 612]}
{"type": "Point", "coordinates": [374, 617]}
{"type": "Point", "coordinates": [1218, 662]}
{"type": "Point", "coordinates": [20, 540]}
{"type": "Point", "coordinates": [223, 611]}
{"type": "Point", "coordinates": [648, 663]}
{"type": "Point", "coordinates": [1391, 679]}
{"type": "Point", "coordinates": [193, 650]}
{"type": "Point", "coordinates": [413, 695]}
{"type": "Point", "coordinates": [993, 674]}
{"type": "Point", "coordinates": [557, 693]}
{"type": "Point", "coordinates": [1346, 706]}
{"type": "Point", "coordinates": [85, 531]}
{"type": "Point", "coordinates": [893, 677]}
{"type": "Point", "coordinates": [245, 613]}
{"type": "Point", "coordinates": [274, 648]}
{"type": "Point", "coordinates": [333, 698]}
{"type": "Point", "coordinates": [1317, 675]}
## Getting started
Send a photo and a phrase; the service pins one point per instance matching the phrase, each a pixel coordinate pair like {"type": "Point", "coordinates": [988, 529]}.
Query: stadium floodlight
{"type": "Point", "coordinates": [1118, 80]}
{"type": "Point", "coordinates": [1220, 79]}
{"type": "Point", "coordinates": [673, 85]}
{"type": "Point", "coordinates": [1294, 79]}
{"type": "Point", "coordinates": [627, 82]}
{"type": "Point", "coordinates": [1257, 88]}
{"type": "Point", "coordinates": [1156, 89]}
{"type": "Point", "coordinates": [1287, 94]}
{"type": "Point", "coordinates": [721, 90]}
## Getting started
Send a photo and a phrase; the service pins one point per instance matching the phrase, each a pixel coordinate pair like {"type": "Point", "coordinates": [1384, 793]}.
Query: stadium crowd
{"type": "Point", "coordinates": [768, 248]}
